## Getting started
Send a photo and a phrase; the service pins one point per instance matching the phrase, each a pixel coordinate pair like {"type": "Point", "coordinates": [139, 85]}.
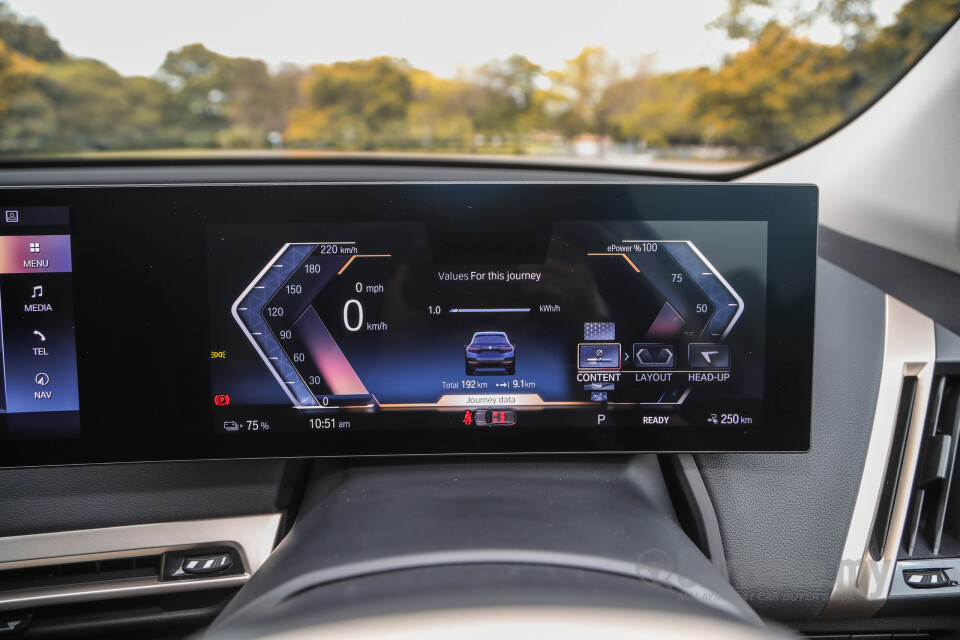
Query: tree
{"type": "Point", "coordinates": [379, 89]}
{"type": "Point", "coordinates": [440, 111]}
{"type": "Point", "coordinates": [506, 89]}
{"type": "Point", "coordinates": [899, 45]}
{"type": "Point", "coordinates": [575, 100]}
{"type": "Point", "coordinates": [748, 18]}
{"type": "Point", "coordinates": [657, 109]}
{"type": "Point", "coordinates": [28, 37]}
{"type": "Point", "coordinates": [781, 91]}
{"type": "Point", "coordinates": [16, 72]}
{"type": "Point", "coordinates": [25, 113]}
{"type": "Point", "coordinates": [355, 105]}
{"type": "Point", "coordinates": [199, 80]}
{"type": "Point", "coordinates": [778, 93]}
{"type": "Point", "coordinates": [255, 102]}
{"type": "Point", "coordinates": [221, 101]}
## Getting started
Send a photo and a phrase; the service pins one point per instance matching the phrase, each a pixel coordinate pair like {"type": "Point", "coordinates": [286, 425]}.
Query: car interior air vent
{"type": "Point", "coordinates": [933, 525]}
{"type": "Point", "coordinates": [891, 478]}
{"type": "Point", "coordinates": [73, 573]}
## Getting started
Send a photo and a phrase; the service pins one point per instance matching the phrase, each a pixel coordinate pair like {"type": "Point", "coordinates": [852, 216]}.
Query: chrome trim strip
{"type": "Point", "coordinates": [863, 582]}
{"type": "Point", "coordinates": [253, 537]}
{"type": "Point", "coordinates": [29, 598]}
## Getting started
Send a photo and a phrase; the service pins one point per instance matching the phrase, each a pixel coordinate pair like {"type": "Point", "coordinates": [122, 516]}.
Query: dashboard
{"type": "Point", "coordinates": [150, 355]}
{"type": "Point", "coordinates": [387, 319]}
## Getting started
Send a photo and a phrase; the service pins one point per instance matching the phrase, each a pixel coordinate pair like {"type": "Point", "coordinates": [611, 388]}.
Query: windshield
{"type": "Point", "coordinates": [714, 85]}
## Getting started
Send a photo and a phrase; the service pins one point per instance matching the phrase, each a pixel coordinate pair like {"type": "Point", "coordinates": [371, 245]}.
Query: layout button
{"type": "Point", "coordinates": [647, 355]}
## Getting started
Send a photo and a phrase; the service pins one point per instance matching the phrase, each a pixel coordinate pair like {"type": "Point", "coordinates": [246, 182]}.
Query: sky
{"type": "Point", "coordinates": [442, 36]}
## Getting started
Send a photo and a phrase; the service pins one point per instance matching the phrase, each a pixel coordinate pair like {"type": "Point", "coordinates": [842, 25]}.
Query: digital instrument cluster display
{"type": "Point", "coordinates": [650, 330]}
{"type": "Point", "coordinates": [144, 323]}
{"type": "Point", "coordinates": [599, 323]}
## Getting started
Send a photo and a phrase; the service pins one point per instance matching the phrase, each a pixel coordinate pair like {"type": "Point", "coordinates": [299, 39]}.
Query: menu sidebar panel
{"type": "Point", "coordinates": [37, 334]}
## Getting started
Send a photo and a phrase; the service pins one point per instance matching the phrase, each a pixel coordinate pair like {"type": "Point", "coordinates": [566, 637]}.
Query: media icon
{"type": "Point", "coordinates": [37, 292]}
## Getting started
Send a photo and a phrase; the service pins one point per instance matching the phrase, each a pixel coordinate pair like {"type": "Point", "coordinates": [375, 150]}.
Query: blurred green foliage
{"type": "Point", "coordinates": [781, 91]}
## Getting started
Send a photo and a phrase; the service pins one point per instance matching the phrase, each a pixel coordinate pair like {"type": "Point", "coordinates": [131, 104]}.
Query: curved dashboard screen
{"type": "Point", "coordinates": [606, 323]}
{"type": "Point", "coordinates": [405, 319]}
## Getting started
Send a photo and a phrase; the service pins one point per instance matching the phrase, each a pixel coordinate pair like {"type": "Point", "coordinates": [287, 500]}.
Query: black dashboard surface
{"type": "Point", "coordinates": [786, 515]}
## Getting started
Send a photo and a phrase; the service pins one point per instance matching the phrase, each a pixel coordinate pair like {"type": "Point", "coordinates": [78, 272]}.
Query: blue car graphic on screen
{"type": "Point", "coordinates": [490, 352]}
